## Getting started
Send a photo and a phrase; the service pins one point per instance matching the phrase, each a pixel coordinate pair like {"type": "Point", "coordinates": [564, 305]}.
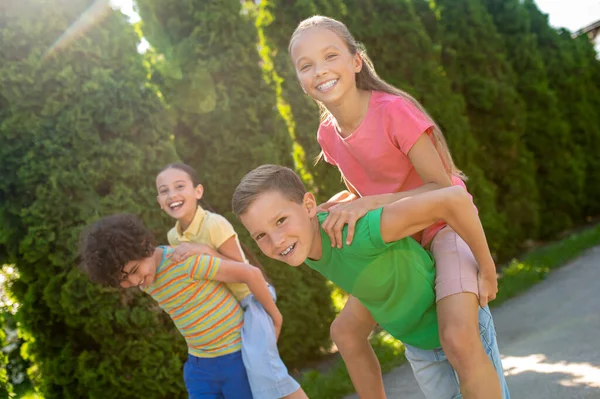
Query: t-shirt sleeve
{"type": "Point", "coordinates": [203, 267]}
{"type": "Point", "coordinates": [405, 123]}
{"type": "Point", "coordinates": [173, 237]}
{"type": "Point", "coordinates": [219, 230]}
{"type": "Point", "coordinates": [367, 236]}
{"type": "Point", "coordinates": [323, 137]}
{"type": "Point", "coordinates": [374, 223]}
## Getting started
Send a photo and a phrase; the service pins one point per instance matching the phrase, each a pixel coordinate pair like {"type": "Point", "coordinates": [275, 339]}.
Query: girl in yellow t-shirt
{"type": "Point", "coordinates": [199, 231]}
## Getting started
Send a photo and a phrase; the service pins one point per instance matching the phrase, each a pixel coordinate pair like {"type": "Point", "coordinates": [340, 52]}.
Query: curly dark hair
{"type": "Point", "coordinates": [110, 243]}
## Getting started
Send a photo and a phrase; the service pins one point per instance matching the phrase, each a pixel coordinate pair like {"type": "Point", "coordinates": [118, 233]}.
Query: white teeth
{"type": "Point", "coordinates": [327, 85]}
{"type": "Point", "coordinates": [175, 204]}
{"type": "Point", "coordinates": [287, 251]}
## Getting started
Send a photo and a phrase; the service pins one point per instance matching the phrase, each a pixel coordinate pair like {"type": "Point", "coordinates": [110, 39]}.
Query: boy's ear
{"type": "Point", "coordinates": [310, 204]}
{"type": "Point", "coordinates": [199, 190]}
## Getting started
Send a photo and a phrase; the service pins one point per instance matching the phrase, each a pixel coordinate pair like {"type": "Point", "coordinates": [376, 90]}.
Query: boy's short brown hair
{"type": "Point", "coordinates": [263, 179]}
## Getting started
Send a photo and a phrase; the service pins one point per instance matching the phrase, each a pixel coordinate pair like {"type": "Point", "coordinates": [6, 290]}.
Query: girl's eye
{"type": "Point", "coordinates": [281, 220]}
{"type": "Point", "coordinates": [330, 56]}
{"type": "Point", "coordinates": [304, 67]}
{"type": "Point", "coordinates": [179, 186]}
{"type": "Point", "coordinates": [258, 237]}
{"type": "Point", "coordinates": [162, 192]}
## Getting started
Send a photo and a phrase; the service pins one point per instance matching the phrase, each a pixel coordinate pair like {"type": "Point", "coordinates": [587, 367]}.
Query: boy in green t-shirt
{"type": "Point", "coordinates": [383, 268]}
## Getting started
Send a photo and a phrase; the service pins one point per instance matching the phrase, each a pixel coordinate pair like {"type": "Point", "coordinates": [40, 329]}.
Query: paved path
{"type": "Point", "coordinates": [549, 338]}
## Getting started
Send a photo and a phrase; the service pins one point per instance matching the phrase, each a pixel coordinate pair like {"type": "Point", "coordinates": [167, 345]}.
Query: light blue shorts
{"type": "Point", "coordinates": [268, 376]}
{"type": "Point", "coordinates": [435, 375]}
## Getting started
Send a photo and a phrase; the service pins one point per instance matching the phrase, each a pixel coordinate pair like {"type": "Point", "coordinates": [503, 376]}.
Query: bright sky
{"type": "Point", "coordinates": [570, 14]}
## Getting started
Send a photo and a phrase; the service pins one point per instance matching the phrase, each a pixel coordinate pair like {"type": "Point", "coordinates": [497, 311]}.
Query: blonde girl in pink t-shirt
{"type": "Point", "coordinates": [387, 147]}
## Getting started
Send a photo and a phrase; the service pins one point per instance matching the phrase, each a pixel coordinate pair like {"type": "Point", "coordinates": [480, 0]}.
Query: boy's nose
{"type": "Point", "coordinates": [135, 280]}
{"type": "Point", "coordinates": [278, 239]}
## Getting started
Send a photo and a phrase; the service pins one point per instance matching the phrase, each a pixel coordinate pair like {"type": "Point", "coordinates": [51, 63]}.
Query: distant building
{"type": "Point", "coordinates": [593, 33]}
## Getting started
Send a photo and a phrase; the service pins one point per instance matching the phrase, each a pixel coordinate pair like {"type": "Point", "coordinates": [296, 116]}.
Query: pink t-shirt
{"type": "Point", "coordinates": [374, 158]}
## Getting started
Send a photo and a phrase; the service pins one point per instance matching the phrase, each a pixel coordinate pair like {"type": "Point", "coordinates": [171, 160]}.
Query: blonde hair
{"type": "Point", "coordinates": [367, 79]}
{"type": "Point", "coordinates": [267, 178]}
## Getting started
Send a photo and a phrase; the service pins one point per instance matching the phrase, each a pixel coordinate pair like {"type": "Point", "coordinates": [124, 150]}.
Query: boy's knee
{"type": "Point", "coordinates": [345, 334]}
{"type": "Point", "coordinates": [461, 343]}
{"type": "Point", "coordinates": [338, 331]}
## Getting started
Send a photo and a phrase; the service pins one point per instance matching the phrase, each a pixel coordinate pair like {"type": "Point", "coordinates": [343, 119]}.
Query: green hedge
{"type": "Point", "coordinates": [560, 161]}
{"type": "Point", "coordinates": [474, 57]}
{"type": "Point", "coordinates": [82, 134]}
{"type": "Point", "coordinates": [5, 386]}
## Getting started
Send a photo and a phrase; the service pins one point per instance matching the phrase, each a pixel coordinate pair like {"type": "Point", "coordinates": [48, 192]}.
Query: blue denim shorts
{"type": "Point", "coordinates": [435, 375]}
{"type": "Point", "coordinates": [268, 376]}
{"type": "Point", "coordinates": [222, 377]}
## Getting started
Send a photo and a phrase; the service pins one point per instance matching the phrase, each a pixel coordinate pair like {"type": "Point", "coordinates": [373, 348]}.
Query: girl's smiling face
{"type": "Point", "coordinates": [324, 65]}
{"type": "Point", "coordinates": [177, 195]}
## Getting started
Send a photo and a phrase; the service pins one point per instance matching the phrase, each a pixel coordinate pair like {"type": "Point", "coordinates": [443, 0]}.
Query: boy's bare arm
{"type": "Point", "coordinates": [238, 272]}
{"type": "Point", "coordinates": [411, 215]}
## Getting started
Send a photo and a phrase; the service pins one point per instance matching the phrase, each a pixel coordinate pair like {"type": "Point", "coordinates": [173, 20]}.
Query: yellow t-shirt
{"type": "Point", "coordinates": [211, 229]}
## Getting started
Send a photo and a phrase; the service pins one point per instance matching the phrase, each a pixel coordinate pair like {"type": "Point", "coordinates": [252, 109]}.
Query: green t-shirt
{"type": "Point", "coordinates": [394, 281]}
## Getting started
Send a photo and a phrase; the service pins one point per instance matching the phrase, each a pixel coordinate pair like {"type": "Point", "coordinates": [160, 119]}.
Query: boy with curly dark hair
{"type": "Point", "coordinates": [119, 251]}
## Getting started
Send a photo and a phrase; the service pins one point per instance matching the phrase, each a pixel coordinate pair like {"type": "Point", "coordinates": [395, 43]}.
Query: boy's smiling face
{"type": "Point", "coordinates": [283, 229]}
{"type": "Point", "coordinates": [139, 273]}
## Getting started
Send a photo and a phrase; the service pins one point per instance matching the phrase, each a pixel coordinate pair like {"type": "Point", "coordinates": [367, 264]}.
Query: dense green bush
{"type": "Point", "coordinates": [82, 134]}
{"type": "Point", "coordinates": [5, 386]}
{"type": "Point", "coordinates": [560, 162]}
{"type": "Point", "coordinates": [572, 73]}
{"type": "Point", "coordinates": [474, 56]}
{"type": "Point", "coordinates": [227, 123]}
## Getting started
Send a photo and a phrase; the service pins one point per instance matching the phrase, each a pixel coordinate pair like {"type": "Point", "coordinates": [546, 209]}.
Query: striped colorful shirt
{"type": "Point", "coordinates": [203, 310]}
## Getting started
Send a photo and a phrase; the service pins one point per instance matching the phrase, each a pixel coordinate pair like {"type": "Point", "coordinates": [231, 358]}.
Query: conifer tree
{"type": "Point", "coordinates": [474, 57]}
{"type": "Point", "coordinates": [572, 73]}
{"type": "Point", "coordinates": [560, 170]}
{"type": "Point", "coordinates": [83, 133]}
